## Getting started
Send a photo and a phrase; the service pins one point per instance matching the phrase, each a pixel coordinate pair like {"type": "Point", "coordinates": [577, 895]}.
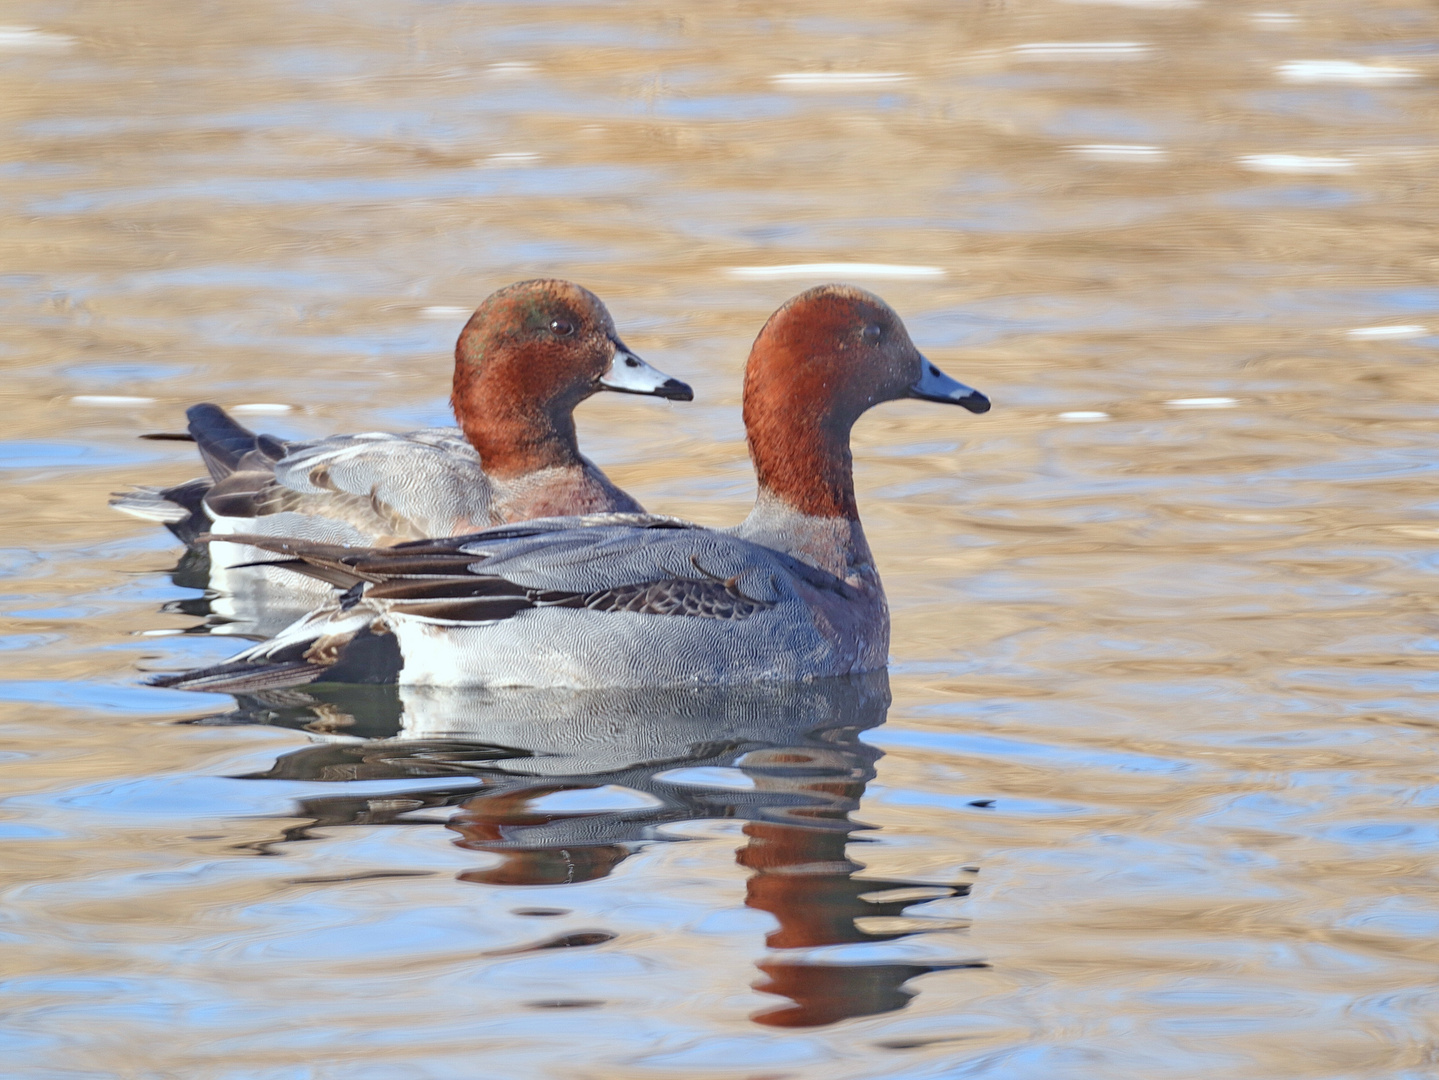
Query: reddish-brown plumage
{"type": "Point", "coordinates": [812, 372]}
{"type": "Point", "coordinates": [518, 380]}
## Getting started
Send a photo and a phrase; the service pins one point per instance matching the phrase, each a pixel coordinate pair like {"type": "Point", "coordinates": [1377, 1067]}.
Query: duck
{"type": "Point", "coordinates": [528, 356]}
{"type": "Point", "coordinates": [624, 599]}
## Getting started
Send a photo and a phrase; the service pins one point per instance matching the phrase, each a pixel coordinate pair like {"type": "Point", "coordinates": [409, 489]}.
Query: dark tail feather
{"type": "Point", "coordinates": [180, 509]}
{"type": "Point", "coordinates": [328, 562]}
{"type": "Point", "coordinates": [243, 677]}
{"type": "Point", "coordinates": [342, 581]}
{"type": "Point", "coordinates": [190, 495]}
{"type": "Point", "coordinates": [221, 440]}
{"type": "Point", "coordinates": [364, 657]}
{"type": "Point", "coordinates": [255, 669]}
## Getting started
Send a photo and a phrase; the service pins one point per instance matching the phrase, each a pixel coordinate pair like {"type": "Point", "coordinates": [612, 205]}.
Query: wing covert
{"type": "Point", "coordinates": [424, 483]}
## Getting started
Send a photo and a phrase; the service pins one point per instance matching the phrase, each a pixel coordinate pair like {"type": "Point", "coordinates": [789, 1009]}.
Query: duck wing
{"type": "Point", "coordinates": [607, 563]}
{"type": "Point", "coordinates": [611, 562]}
{"type": "Point", "coordinates": [345, 487]}
{"type": "Point", "coordinates": [409, 485]}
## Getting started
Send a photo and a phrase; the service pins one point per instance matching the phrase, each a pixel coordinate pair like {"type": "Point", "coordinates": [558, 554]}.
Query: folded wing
{"type": "Point", "coordinates": [417, 484]}
{"type": "Point", "coordinates": [635, 563]}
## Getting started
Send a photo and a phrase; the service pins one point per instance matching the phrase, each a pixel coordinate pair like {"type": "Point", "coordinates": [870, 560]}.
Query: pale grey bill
{"type": "Point", "coordinates": [628, 374]}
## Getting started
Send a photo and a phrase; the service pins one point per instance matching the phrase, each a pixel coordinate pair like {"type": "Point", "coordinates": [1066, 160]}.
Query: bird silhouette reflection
{"type": "Point", "coordinates": [563, 786]}
{"type": "Point", "coordinates": [252, 606]}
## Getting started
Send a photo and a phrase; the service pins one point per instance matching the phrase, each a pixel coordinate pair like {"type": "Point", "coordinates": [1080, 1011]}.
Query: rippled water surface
{"type": "Point", "coordinates": [1149, 790]}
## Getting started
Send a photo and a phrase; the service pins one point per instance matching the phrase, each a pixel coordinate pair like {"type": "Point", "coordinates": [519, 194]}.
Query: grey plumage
{"type": "Point", "coordinates": [371, 488]}
{"type": "Point", "coordinates": [610, 600]}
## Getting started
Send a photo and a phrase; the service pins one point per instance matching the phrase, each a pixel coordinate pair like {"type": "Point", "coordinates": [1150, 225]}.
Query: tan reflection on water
{"type": "Point", "coordinates": [1163, 640]}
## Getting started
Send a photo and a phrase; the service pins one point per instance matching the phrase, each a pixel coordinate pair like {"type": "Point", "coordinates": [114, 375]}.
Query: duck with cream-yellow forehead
{"type": "Point", "coordinates": [790, 593]}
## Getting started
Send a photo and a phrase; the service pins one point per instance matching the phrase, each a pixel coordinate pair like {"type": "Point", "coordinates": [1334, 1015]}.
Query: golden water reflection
{"type": "Point", "coordinates": [786, 760]}
{"type": "Point", "coordinates": [1163, 654]}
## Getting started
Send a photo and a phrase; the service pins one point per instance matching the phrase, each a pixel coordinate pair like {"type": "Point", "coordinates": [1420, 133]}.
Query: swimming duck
{"type": "Point", "coordinates": [529, 355]}
{"type": "Point", "coordinates": [792, 593]}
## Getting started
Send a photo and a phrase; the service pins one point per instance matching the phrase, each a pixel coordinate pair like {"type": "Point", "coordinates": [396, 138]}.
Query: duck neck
{"type": "Point", "coordinates": [805, 505]}
{"type": "Point", "coordinates": [834, 544]}
{"type": "Point", "coordinates": [514, 436]}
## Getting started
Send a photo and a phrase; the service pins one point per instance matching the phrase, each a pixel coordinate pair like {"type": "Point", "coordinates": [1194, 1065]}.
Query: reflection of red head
{"type": "Point", "coordinates": [826, 993]}
{"type": "Point", "coordinates": [804, 880]}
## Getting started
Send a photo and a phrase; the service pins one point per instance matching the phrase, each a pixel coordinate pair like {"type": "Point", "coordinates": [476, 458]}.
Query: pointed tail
{"type": "Point", "coordinates": [328, 645]}
{"type": "Point", "coordinates": [222, 441]}
{"type": "Point", "coordinates": [181, 509]}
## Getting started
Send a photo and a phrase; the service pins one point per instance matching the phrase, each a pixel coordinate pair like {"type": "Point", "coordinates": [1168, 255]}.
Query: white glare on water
{"type": "Point", "coordinates": [111, 400]}
{"type": "Point", "coordinates": [1081, 50]}
{"type": "Point", "coordinates": [838, 80]}
{"type": "Point", "coordinates": [1118, 152]}
{"type": "Point", "coordinates": [1294, 163]}
{"type": "Point", "coordinates": [1202, 403]}
{"type": "Point", "coordinates": [1406, 330]}
{"type": "Point", "coordinates": [1343, 71]}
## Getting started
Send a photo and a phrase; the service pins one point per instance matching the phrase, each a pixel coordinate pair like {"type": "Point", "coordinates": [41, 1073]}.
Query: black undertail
{"type": "Point", "coordinates": [191, 496]}
{"type": "Point", "coordinates": [366, 657]}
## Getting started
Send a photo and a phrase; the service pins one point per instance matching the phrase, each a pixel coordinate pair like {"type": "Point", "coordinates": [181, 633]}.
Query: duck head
{"type": "Point", "coordinates": [822, 360]}
{"type": "Point", "coordinates": [528, 356]}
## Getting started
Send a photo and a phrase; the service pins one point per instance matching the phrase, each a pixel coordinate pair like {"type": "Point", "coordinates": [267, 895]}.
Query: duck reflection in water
{"type": "Point", "coordinates": [563, 786]}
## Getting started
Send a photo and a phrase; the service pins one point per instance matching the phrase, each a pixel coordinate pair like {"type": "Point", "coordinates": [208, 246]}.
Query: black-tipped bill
{"type": "Point", "coordinates": [935, 385]}
{"type": "Point", "coordinates": [628, 374]}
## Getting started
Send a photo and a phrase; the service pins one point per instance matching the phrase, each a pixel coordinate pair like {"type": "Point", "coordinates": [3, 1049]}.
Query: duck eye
{"type": "Point", "coordinates": [562, 327]}
{"type": "Point", "coordinates": [871, 333]}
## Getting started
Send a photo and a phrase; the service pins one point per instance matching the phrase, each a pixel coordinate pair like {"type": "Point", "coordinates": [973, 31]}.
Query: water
{"type": "Point", "coordinates": [1149, 791]}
